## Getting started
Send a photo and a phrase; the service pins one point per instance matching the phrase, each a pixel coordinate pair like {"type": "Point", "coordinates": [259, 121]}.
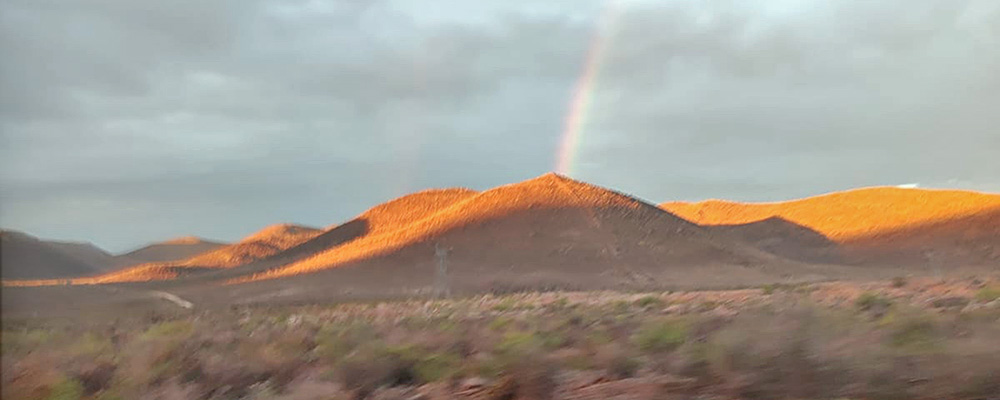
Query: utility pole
{"type": "Point", "coordinates": [441, 287]}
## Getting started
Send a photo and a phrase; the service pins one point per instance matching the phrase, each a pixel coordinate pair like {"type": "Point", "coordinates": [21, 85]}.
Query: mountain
{"type": "Point", "coordinates": [881, 224]}
{"type": "Point", "coordinates": [88, 253]}
{"type": "Point", "coordinates": [24, 256]}
{"type": "Point", "coordinates": [170, 250]}
{"type": "Point", "coordinates": [264, 243]}
{"type": "Point", "coordinates": [784, 238]}
{"type": "Point", "coordinates": [550, 230]}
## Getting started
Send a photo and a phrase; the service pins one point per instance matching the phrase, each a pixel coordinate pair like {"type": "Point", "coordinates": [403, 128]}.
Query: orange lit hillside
{"type": "Point", "coordinates": [851, 215]}
{"type": "Point", "coordinates": [400, 212]}
{"type": "Point", "coordinates": [393, 229]}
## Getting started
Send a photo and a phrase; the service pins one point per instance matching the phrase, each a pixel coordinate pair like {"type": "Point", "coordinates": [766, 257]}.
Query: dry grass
{"type": "Point", "coordinates": [788, 344]}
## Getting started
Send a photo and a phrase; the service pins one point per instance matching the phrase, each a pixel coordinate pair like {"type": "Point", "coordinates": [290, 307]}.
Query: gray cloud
{"type": "Point", "coordinates": [124, 122]}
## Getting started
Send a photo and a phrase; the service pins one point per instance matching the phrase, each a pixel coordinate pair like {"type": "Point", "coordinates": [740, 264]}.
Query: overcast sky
{"type": "Point", "coordinates": [129, 121]}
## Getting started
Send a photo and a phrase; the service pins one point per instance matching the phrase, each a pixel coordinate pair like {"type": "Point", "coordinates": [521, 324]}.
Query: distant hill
{"type": "Point", "coordinates": [90, 254]}
{"type": "Point", "coordinates": [784, 238]}
{"type": "Point", "coordinates": [884, 224]}
{"type": "Point", "coordinates": [170, 250]}
{"type": "Point", "coordinates": [262, 244]}
{"type": "Point", "coordinates": [23, 256]}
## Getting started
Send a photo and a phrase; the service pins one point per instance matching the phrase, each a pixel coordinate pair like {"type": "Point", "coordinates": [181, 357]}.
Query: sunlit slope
{"type": "Point", "coordinates": [383, 218]}
{"type": "Point", "coordinates": [544, 221]}
{"type": "Point", "coordinates": [943, 222]}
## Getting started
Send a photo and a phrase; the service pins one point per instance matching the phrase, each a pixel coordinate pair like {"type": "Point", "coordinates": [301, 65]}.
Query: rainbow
{"type": "Point", "coordinates": [583, 92]}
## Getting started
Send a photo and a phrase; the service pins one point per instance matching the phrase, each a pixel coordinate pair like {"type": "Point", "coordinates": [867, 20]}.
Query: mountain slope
{"type": "Point", "coordinates": [883, 223]}
{"type": "Point", "coordinates": [264, 243]}
{"type": "Point", "coordinates": [26, 257]}
{"type": "Point", "coordinates": [171, 250]}
{"type": "Point", "coordinates": [388, 216]}
{"type": "Point", "coordinates": [88, 253]}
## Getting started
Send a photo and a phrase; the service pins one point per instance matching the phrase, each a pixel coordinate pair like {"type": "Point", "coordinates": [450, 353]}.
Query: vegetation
{"type": "Point", "coordinates": [988, 293]}
{"type": "Point", "coordinates": [520, 346]}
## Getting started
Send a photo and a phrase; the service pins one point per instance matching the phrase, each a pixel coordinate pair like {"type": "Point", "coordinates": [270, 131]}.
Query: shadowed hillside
{"type": "Point", "coordinates": [171, 250]}
{"type": "Point", "coordinates": [784, 238]}
{"type": "Point", "coordinates": [26, 257]}
{"type": "Point", "coordinates": [90, 254]}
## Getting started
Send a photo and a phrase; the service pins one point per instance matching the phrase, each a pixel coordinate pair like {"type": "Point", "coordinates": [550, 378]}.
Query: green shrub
{"type": "Point", "coordinates": [334, 344]}
{"type": "Point", "coordinates": [169, 329]}
{"type": "Point", "coordinates": [66, 389]}
{"type": "Point", "coordinates": [649, 301]}
{"type": "Point", "coordinates": [435, 367]}
{"type": "Point", "coordinates": [872, 301]}
{"type": "Point", "coordinates": [661, 336]}
{"type": "Point", "coordinates": [506, 304]}
{"type": "Point", "coordinates": [913, 333]}
{"type": "Point", "coordinates": [988, 294]}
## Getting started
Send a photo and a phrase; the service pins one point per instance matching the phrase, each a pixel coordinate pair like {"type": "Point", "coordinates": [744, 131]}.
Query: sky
{"type": "Point", "coordinates": [124, 122]}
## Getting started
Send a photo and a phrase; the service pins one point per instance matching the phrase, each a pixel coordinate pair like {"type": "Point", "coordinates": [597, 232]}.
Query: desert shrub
{"type": "Point", "coordinates": [332, 344]}
{"type": "Point", "coordinates": [649, 301]}
{"type": "Point", "coordinates": [506, 304]}
{"type": "Point", "coordinates": [950, 302]}
{"type": "Point", "coordinates": [620, 306]}
{"type": "Point", "coordinates": [913, 332]}
{"type": "Point", "coordinates": [66, 389]}
{"type": "Point", "coordinates": [362, 375]}
{"type": "Point", "coordinates": [660, 336]}
{"type": "Point", "coordinates": [598, 337]}
{"type": "Point", "coordinates": [499, 324]}
{"type": "Point", "coordinates": [516, 344]}
{"type": "Point", "coordinates": [899, 281]}
{"type": "Point", "coordinates": [435, 367]}
{"type": "Point", "coordinates": [168, 329]}
{"type": "Point", "coordinates": [529, 379]}
{"type": "Point", "coordinates": [552, 340]}
{"type": "Point", "coordinates": [95, 377]}
{"type": "Point", "coordinates": [763, 356]}
{"type": "Point", "coordinates": [769, 289]}
{"type": "Point", "coordinates": [623, 366]}
{"type": "Point", "coordinates": [869, 301]}
{"type": "Point", "coordinates": [22, 341]}
{"type": "Point", "coordinates": [988, 294]}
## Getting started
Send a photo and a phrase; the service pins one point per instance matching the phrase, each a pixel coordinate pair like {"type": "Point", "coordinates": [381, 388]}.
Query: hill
{"type": "Point", "coordinates": [89, 253]}
{"type": "Point", "coordinates": [784, 238]}
{"type": "Point", "coordinates": [264, 243]}
{"type": "Point", "coordinates": [550, 230]}
{"type": "Point", "coordinates": [170, 250]}
{"type": "Point", "coordinates": [885, 224]}
{"type": "Point", "coordinates": [24, 256]}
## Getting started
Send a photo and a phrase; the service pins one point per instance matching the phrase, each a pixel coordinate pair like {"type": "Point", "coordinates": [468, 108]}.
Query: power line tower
{"type": "Point", "coordinates": [441, 287]}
